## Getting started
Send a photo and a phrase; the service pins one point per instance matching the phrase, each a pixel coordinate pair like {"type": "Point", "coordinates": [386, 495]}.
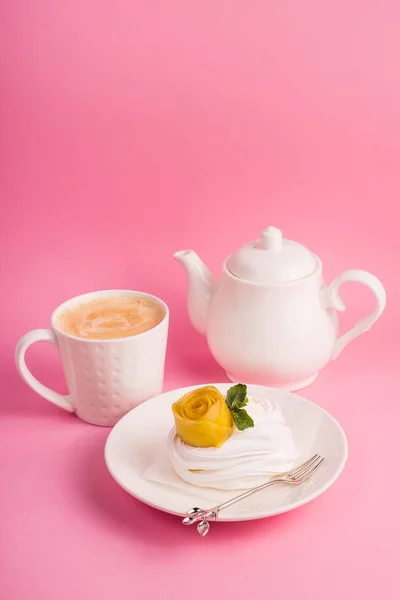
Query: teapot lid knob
{"type": "Point", "coordinates": [271, 239]}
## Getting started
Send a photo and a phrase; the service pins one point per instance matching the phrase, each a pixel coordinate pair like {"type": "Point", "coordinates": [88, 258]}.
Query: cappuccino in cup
{"type": "Point", "coordinates": [111, 317]}
{"type": "Point", "coordinates": [112, 347]}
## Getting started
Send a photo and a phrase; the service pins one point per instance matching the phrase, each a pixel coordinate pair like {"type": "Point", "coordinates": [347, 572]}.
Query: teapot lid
{"type": "Point", "coordinates": [272, 259]}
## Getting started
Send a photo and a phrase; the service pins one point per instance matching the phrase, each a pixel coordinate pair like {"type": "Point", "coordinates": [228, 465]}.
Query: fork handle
{"type": "Point", "coordinates": [244, 495]}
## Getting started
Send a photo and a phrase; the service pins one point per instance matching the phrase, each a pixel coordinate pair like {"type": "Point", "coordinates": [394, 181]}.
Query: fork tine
{"type": "Point", "coordinates": [310, 471]}
{"type": "Point", "coordinates": [304, 468]}
{"type": "Point", "coordinates": [299, 469]}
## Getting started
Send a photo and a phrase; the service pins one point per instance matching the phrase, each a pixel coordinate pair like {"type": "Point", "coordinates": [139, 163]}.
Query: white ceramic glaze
{"type": "Point", "coordinates": [105, 378]}
{"type": "Point", "coordinates": [136, 455]}
{"type": "Point", "coordinates": [272, 329]}
{"type": "Point", "coordinates": [272, 259]}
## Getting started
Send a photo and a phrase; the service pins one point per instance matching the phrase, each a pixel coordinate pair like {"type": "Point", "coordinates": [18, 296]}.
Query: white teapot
{"type": "Point", "coordinates": [271, 320]}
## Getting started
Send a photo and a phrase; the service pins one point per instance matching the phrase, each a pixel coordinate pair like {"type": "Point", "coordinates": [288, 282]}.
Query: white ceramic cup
{"type": "Point", "coordinates": [105, 378]}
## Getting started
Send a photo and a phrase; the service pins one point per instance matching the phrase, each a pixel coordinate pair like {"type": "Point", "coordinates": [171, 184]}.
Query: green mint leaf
{"type": "Point", "coordinates": [241, 419]}
{"type": "Point", "coordinates": [236, 400]}
{"type": "Point", "coordinates": [236, 396]}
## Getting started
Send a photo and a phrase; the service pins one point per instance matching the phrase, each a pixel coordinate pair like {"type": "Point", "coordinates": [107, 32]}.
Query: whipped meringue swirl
{"type": "Point", "coordinates": [247, 459]}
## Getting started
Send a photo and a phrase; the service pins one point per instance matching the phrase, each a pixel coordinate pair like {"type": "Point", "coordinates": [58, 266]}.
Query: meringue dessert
{"type": "Point", "coordinates": [231, 443]}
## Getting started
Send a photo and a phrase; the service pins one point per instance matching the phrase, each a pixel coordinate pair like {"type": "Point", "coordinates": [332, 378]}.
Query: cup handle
{"type": "Point", "coordinates": [39, 335]}
{"type": "Point", "coordinates": [336, 302]}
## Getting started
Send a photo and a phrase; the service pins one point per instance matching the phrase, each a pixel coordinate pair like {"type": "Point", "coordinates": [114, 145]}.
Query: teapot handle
{"type": "Point", "coordinates": [336, 302]}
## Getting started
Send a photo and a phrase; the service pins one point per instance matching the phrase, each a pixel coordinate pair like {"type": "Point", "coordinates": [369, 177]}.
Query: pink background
{"type": "Point", "coordinates": [133, 129]}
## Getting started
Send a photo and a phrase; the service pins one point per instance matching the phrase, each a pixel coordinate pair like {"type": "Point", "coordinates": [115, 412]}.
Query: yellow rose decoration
{"type": "Point", "coordinates": [202, 418]}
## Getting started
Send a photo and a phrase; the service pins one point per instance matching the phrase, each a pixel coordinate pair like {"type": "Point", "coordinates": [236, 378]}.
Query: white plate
{"type": "Point", "coordinates": [138, 441]}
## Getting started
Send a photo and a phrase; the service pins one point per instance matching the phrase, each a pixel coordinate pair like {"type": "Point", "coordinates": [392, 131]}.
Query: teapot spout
{"type": "Point", "coordinates": [201, 287]}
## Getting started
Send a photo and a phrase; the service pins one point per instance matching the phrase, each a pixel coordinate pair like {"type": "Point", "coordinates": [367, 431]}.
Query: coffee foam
{"type": "Point", "coordinates": [110, 317]}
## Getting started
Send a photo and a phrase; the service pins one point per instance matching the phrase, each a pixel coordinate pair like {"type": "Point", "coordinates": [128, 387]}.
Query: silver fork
{"type": "Point", "coordinates": [295, 477]}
